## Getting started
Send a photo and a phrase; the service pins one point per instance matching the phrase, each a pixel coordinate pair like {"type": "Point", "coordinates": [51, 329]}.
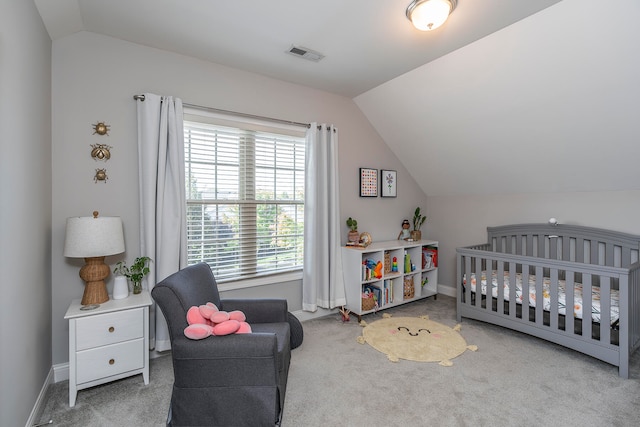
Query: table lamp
{"type": "Point", "coordinates": [93, 238]}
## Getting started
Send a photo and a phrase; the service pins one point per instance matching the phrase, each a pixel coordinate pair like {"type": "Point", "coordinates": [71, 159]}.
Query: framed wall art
{"type": "Point", "coordinates": [388, 183]}
{"type": "Point", "coordinates": [368, 182]}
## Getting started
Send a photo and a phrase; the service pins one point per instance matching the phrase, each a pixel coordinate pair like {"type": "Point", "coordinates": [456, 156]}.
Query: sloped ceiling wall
{"type": "Point", "coordinates": [549, 104]}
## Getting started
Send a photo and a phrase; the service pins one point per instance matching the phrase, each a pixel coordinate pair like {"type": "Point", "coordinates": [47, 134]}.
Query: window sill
{"type": "Point", "coordinates": [260, 281]}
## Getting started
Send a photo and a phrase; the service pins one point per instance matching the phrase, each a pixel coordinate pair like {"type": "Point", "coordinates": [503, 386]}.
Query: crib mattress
{"type": "Point", "coordinates": [546, 291]}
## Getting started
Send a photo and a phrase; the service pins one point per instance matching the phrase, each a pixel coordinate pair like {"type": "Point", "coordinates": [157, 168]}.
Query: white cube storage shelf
{"type": "Point", "coordinates": [390, 286]}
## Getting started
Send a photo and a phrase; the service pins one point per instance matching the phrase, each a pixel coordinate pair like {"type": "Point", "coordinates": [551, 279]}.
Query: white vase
{"type": "Point", "coordinates": [120, 287]}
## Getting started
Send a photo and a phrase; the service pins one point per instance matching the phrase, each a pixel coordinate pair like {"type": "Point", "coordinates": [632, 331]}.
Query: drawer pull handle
{"type": "Point", "coordinates": [111, 329]}
{"type": "Point", "coordinates": [111, 361]}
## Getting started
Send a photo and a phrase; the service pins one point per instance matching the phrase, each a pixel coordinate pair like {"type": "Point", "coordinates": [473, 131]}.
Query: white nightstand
{"type": "Point", "coordinates": [108, 343]}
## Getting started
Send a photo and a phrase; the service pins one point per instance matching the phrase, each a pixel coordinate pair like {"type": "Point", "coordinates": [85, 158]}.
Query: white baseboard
{"type": "Point", "coordinates": [309, 315]}
{"type": "Point", "coordinates": [37, 407]}
{"type": "Point", "coordinates": [60, 372]}
{"type": "Point", "coordinates": [449, 291]}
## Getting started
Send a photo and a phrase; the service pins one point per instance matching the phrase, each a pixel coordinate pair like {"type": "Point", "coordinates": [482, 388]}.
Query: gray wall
{"type": "Point", "coordinates": [25, 209]}
{"type": "Point", "coordinates": [539, 119]}
{"type": "Point", "coordinates": [94, 79]}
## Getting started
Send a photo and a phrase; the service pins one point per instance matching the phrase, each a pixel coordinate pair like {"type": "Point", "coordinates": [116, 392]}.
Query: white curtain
{"type": "Point", "coordinates": [322, 282]}
{"type": "Point", "coordinates": [163, 235]}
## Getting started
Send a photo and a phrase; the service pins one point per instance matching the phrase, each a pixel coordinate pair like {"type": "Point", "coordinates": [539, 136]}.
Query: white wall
{"type": "Point", "coordinates": [462, 220]}
{"type": "Point", "coordinates": [94, 79]}
{"type": "Point", "coordinates": [25, 209]}
{"type": "Point", "coordinates": [539, 119]}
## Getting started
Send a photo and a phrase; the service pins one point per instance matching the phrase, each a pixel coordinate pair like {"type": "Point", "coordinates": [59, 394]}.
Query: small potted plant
{"type": "Point", "coordinates": [135, 273]}
{"type": "Point", "coordinates": [418, 220]}
{"type": "Point", "coordinates": [354, 236]}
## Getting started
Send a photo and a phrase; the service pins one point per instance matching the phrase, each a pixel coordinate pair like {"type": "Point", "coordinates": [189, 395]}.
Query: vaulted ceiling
{"type": "Point", "coordinates": [365, 42]}
{"type": "Point", "coordinates": [490, 107]}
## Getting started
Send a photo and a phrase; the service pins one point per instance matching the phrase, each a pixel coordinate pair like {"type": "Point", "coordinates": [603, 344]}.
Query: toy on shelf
{"type": "Point", "coordinates": [371, 269]}
{"type": "Point", "coordinates": [394, 266]}
{"type": "Point", "coordinates": [405, 233]}
{"type": "Point", "coordinates": [407, 262]}
{"type": "Point", "coordinates": [377, 271]}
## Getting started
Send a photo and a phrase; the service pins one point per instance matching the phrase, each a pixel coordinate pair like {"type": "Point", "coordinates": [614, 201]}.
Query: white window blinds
{"type": "Point", "coordinates": [245, 197]}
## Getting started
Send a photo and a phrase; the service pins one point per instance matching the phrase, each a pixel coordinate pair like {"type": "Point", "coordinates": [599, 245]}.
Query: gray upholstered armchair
{"type": "Point", "coordinates": [238, 379]}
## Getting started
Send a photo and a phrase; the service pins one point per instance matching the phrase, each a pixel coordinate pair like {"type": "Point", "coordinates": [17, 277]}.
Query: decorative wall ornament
{"type": "Point", "coordinates": [368, 182]}
{"type": "Point", "coordinates": [101, 152]}
{"type": "Point", "coordinates": [101, 128]}
{"type": "Point", "coordinates": [101, 175]}
{"type": "Point", "coordinates": [388, 183]}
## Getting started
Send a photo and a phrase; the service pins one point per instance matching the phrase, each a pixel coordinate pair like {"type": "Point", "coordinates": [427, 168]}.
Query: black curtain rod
{"type": "Point", "coordinates": [249, 116]}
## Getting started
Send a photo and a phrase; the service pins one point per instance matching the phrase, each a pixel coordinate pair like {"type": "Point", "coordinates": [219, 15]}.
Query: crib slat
{"type": "Point", "coordinates": [500, 287]}
{"type": "Point", "coordinates": [580, 250]}
{"type": "Point", "coordinates": [539, 297]}
{"type": "Point", "coordinates": [467, 277]}
{"type": "Point", "coordinates": [587, 320]}
{"type": "Point", "coordinates": [525, 292]}
{"type": "Point", "coordinates": [553, 247]}
{"type": "Point", "coordinates": [512, 289]}
{"type": "Point", "coordinates": [569, 323]}
{"type": "Point", "coordinates": [508, 244]}
{"type": "Point", "coordinates": [625, 257]}
{"type": "Point", "coordinates": [542, 250]}
{"type": "Point", "coordinates": [594, 249]}
{"type": "Point", "coordinates": [519, 245]}
{"type": "Point", "coordinates": [478, 281]}
{"type": "Point", "coordinates": [608, 253]}
{"type": "Point", "coordinates": [553, 299]}
{"type": "Point", "coordinates": [605, 309]}
{"type": "Point", "coordinates": [566, 248]}
{"type": "Point", "coordinates": [529, 245]}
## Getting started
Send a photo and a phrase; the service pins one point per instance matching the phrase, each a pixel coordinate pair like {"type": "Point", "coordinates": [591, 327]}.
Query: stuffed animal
{"type": "Point", "coordinates": [206, 320]}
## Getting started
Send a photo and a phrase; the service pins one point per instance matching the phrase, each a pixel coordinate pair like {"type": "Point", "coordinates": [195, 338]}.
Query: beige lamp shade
{"type": "Point", "coordinates": [93, 238]}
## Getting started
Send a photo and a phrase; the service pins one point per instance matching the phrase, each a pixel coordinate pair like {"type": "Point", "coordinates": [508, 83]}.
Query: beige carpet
{"type": "Point", "coordinates": [414, 338]}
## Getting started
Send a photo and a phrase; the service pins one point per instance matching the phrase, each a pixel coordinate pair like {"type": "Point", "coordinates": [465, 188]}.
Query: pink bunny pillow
{"type": "Point", "coordinates": [207, 320]}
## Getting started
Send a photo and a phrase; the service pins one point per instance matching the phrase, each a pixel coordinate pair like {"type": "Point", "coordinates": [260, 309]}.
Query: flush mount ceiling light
{"type": "Point", "coordinates": [427, 15]}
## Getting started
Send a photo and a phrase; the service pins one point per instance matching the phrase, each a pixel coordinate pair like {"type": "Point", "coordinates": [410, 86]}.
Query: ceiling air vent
{"type": "Point", "coordinates": [303, 52]}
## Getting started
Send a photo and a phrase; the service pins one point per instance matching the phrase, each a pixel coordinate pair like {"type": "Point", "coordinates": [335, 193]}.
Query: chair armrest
{"type": "Point", "coordinates": [236, 360]}
{"type": "Point", "coordinates": [258, 310]}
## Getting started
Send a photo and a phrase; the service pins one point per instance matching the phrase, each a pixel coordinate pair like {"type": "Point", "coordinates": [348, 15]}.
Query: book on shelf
{"type": "Point", "coordinates": [388, 292]}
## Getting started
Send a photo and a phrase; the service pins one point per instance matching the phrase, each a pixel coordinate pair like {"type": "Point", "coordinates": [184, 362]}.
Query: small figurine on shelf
{"type": "Point", "coordinates": [394, 266]}
{"type": "Point", "coordinates": [405, 233]}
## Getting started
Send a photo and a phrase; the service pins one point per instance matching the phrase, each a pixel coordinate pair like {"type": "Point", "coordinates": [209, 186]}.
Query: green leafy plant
{"type": "Point", "coordinates": [352, 224]}
{"type": "Point", "coordinates": [418, 219]}
{"type": "Point", "coordinates": [136, 272]}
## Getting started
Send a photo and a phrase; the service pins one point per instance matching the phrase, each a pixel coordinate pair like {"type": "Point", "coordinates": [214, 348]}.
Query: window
{"type": "Point", "coordinates": [245, 196]}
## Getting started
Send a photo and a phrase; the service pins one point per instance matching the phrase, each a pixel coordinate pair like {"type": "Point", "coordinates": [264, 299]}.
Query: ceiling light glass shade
{"type": "Point", "coordinates": [427, 15]}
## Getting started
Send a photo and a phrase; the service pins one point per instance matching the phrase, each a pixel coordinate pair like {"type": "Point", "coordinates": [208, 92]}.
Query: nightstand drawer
{"type": "Point", "coordinates": [109, 360]}
{"type": "Point", "coordinates": [109, 328]}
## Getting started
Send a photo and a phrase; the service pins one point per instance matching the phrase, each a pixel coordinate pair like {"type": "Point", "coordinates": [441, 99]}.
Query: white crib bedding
{"type": "Point", "coordinates": [546, 288]}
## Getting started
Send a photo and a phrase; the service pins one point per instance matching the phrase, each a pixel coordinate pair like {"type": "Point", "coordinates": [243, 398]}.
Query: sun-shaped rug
{"type": "Point", "coordinates": [414, 338]}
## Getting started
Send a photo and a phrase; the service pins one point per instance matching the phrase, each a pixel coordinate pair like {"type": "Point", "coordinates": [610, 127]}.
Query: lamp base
{"type": "Point", "coordinates": [93, 273]}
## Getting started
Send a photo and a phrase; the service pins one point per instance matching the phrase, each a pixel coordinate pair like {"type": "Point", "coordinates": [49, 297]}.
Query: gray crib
{"type": "Point", "coordinates": [576, 286]}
